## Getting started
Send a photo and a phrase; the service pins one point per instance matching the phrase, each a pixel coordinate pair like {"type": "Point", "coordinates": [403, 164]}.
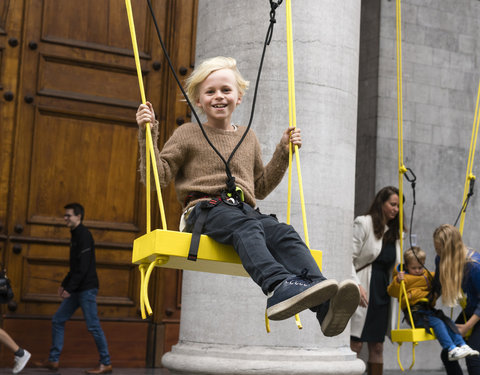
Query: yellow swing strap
{"type": "Point", "coordinates": [469, 181]}
{"type": "Point", "coordinates": [401, 171]}
{"type": "Point", "coordinates": [292, 122]}
{"type": "Point", "coordinates": [150, 153]}
{"type": "Point", "coordinates": [469, 176]}
{"type": "Point", "coordinates": [149, 157]}
{"type": "Point", "coordinates": [401, 167]}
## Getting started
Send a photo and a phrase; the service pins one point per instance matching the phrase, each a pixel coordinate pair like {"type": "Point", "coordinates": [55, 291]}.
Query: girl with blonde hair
{"type": "Point", "coordinates": [458, 269]}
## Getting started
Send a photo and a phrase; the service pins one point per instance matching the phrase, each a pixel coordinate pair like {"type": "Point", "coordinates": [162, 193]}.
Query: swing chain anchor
{"type": "Point", "coordinates": [274, 5]}
{"type": "Point", "coordinates": [411, 179]}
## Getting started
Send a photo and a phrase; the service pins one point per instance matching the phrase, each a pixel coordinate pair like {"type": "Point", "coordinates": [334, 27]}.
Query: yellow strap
{"type": "Point", "coordinates": [403, 291]}
{"type": "Point", "coordinates": [293, 122]}
{"type": "Point", "coordinates": [398, 357]}
{"type": "Point", "coordinates": [142, 268]}
{"type": "Point", "coordinates": [149, 153]}
{"type": "Point", "coordinates": [401, 166]}
{"type": "Point", "coordinates": [144, 289]}
{"type": "Point", "coordinates": [471, 156]}
{"type": "Point", "coordinates": [414, 344]}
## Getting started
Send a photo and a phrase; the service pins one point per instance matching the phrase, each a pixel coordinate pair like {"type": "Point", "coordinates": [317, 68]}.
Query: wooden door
{"type": "Point", "coordinates": [71, 137]}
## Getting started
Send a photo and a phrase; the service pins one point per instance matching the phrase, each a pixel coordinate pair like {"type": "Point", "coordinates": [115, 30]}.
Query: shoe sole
{"type": "Point", "coordinates": [458, 358]}
{"type": "Point", "coordinates": [341, 309]}
{"type": "Point", "coordinates": [309, 298]}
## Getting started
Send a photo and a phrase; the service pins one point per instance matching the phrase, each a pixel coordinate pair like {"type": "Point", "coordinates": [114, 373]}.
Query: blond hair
{"type": "Point", "coordinates": [414, 253]}
{"type": "Point", "coordinates": [207, 67]}
{"type": "Point", "coordinates": [453, 256]}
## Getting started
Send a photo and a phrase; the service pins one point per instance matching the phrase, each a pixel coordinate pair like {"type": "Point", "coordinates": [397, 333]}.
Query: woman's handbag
{"type": "Point", "coordinates": [6, 291]}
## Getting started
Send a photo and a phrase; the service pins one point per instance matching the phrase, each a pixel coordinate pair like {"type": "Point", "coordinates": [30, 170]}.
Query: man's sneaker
{"type": "Point", "coordinates": [341, 308]}
{"type": "Point", "coordinates": [298, 293]}
{"type": "Point", "coordinates": [471, 352]}
{"type": "Point", "coordinates": [457, 353]}
{"type": "Point", "coordinates": [20, 362]}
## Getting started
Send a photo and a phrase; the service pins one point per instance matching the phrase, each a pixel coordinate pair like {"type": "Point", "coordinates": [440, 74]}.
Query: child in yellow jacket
{"type": "Point", "coordinates": [418, 284]}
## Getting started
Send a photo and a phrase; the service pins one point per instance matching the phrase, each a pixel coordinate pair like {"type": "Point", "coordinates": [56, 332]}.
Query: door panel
{"type": "Point", "coordinates": [67, 152]}
{"type": "Point", "coordinates": [10, 31]}
{"type": "Point", "coordinates": [69, 134]}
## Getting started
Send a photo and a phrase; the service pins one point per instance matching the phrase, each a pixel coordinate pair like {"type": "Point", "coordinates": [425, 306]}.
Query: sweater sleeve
{"type": "Point", "coordinates": [169, 160]}
{"type": "Point", "coordinates": [359, 238]}
{"type": "Point", "coordinates": [393, 289]}
{"type": "Point", "coordinates": [474, 274]}
{"type": "Point", "coordinates": [269, 176]}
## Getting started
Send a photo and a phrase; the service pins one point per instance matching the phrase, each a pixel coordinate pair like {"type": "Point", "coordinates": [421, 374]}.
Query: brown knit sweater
{"type": "Point", "coordinates": [188, 159]}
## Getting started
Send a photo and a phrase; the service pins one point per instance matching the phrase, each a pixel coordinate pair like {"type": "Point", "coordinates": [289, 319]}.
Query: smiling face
{"type": "Point", "coordinates": [390, 207]}
{"type": "Point", "coordinates": [218, 98]}
{"type": "Point", "coordinates": [71, 220]}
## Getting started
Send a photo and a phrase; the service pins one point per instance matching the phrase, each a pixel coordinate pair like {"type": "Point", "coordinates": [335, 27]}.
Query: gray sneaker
{"type": "Point", "coordinates": [298, 293]}
{"type": "Point", "coordinates": [341, 308]}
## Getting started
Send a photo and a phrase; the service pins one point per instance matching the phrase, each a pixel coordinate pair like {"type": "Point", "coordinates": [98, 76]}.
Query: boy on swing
{"type": "Point", "coordinates": [271, 252]}
{"type": "Point", "coordinates": [418, 284]}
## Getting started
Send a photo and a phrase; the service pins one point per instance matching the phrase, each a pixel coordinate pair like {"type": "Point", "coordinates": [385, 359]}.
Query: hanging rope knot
{"type": "Point", "coordinates": [402, 169]}
{"type": "Point", "coordinates": [273, 7]}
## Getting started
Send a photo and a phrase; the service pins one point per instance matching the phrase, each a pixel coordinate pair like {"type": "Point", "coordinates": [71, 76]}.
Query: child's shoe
{"type": "Point", "coordinates": [298, 293]}
{"type": "Point", "coordinates": [458, 352]}
{"type": "Point", "coordinates": [471, 352]}
{"type": "Point", "coordinates": [341, 308]}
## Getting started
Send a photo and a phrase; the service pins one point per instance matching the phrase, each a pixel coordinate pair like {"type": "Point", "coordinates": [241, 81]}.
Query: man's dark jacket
{"type": "Point", "coordinates": [83, 274]}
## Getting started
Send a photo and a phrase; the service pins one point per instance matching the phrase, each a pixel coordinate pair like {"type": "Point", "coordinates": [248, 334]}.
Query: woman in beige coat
{"type": "Point", "coordinates": [375, 253]}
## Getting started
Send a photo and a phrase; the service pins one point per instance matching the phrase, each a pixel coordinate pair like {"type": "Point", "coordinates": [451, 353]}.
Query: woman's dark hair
{"type": "Point", "coordinates": [378, 218]}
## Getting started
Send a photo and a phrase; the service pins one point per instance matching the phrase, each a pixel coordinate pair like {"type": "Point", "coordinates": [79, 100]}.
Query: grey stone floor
{"type": "Point", "coordinates": [81, 371]}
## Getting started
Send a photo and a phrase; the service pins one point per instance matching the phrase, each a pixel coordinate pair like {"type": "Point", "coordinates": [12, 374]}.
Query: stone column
{"type": "Point", "coordinates": [222, 325]}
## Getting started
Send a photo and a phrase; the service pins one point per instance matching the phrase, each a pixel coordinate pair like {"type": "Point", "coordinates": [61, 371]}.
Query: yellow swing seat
{"type": "Point", "coordinates": [170, 249]}
{"type": "Point", "coordinates": [411, 335]}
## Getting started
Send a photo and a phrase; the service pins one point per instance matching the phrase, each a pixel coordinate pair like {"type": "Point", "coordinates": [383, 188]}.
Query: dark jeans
{"type": "Point", "coordinates": [270, 251]}
{"type": "Point", "coordinates": [87, 300]}
{"type": "Point", "coordinates": [473, 363]}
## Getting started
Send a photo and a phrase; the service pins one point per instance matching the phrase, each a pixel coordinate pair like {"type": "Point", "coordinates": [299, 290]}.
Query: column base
{"type": "Point", "coordinates": [206, 359]}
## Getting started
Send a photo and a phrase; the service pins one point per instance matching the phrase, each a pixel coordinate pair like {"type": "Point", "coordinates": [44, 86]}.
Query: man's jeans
{"type": "Point", "coordinates": [87, 300]}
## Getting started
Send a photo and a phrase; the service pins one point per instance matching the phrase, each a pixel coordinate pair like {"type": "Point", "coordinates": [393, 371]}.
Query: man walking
{"type": "Point", "coordinates": [79, 289]}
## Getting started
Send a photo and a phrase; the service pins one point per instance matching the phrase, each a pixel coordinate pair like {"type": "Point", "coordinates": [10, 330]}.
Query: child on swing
{"type": "Point", "coordinates": [418, 284]}
{"type": "Point", "coordinates": [271, 252]}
